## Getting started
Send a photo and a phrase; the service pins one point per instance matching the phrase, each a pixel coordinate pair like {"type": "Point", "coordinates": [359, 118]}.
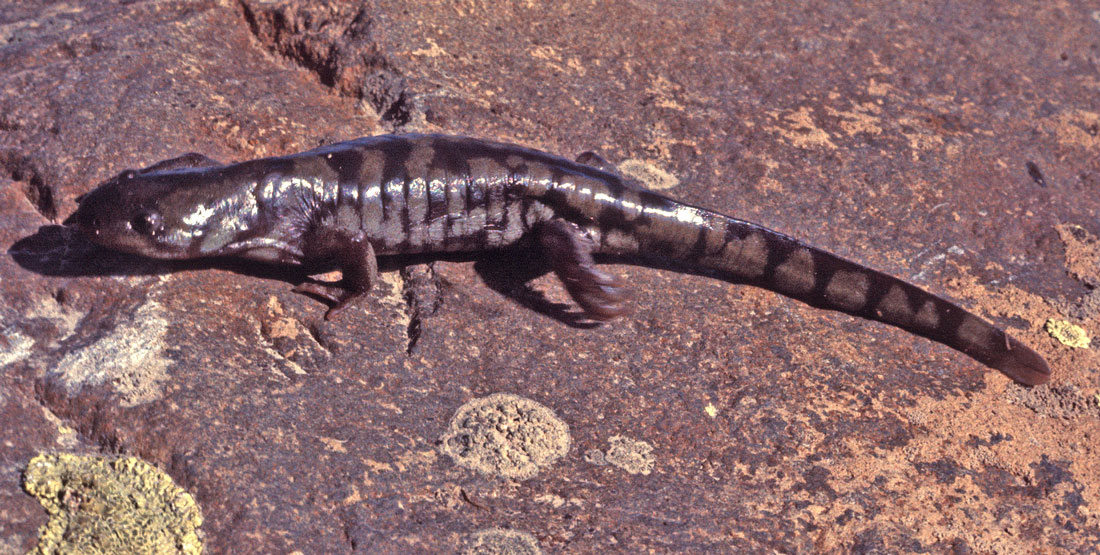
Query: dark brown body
{"type": "Point", "coordinates": [347, 202]}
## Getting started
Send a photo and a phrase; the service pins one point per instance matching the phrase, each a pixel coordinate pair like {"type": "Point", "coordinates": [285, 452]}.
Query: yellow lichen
{"type": "Point", "coordinates": [711, 410]}
{"type": "Point", "coordinates": [1068, 333]}
{"type": "Point", "coordinates": [104, 505]}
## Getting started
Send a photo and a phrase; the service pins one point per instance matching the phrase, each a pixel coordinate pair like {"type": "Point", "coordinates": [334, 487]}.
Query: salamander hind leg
{"type": "Point", "coordinates": [569, 252]}
{"type": "Point", "coordinates": [354, 256]}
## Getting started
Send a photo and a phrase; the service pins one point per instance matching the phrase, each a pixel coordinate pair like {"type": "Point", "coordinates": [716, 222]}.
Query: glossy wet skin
{"type": "Point", "coordinates": [174, 214]}
{"type": "Point", "coordinates": [346, 203]}
{"type": "Point", "coordinates": [127, 216]}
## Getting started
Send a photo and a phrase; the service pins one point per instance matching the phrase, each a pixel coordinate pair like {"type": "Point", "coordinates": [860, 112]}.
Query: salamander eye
{"type": "Point", "coordinates": [127, 175]}
{"type": "Point", "coordinates": [147, 222]}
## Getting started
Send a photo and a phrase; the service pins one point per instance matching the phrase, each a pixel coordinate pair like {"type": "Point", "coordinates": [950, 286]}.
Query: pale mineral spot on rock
{"type": "Point", "coordinates": [102, 505]}
{"type": "Point", "coordinates": [14, 346]}
{"type": "Point", "coordinates": [633, 456]}
{"type": "Point", "coordinates": [499, 541]}
{"type": "Point", "coordinates": [505, 435]}
{"type": "Point", "coordinates": [130, 358]}
{"type": "Point", "coordinates": [711, 410]}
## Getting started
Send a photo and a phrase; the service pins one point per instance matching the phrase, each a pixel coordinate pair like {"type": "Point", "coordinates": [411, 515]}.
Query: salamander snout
{"type": "Point", "coordinates": [119, 221]}
{"type": "Point", "coordinates": [87, 221]}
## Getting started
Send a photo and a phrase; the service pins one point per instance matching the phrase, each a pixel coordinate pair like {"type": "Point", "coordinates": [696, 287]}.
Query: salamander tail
{"type": "Point", "coordinates": [747, 253]}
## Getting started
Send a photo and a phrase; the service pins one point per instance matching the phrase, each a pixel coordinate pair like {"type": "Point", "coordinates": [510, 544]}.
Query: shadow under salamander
{"type": "Point", "coordinates": [59, 251]}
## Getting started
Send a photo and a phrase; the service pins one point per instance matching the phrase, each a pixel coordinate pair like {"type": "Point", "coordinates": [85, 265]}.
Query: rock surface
{"type": "Point", "coordinates": [957, 147]}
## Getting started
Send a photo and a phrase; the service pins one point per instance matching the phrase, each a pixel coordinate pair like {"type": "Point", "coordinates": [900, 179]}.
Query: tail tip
{"type": "Point", "coordinates": [1024, 365]}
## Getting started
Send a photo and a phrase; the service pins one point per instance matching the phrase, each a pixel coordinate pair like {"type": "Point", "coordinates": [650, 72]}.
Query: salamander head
{"type": "Point", "coordinates": [171, 214]}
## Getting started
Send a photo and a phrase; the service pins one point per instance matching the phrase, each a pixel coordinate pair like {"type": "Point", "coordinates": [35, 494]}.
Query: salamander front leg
{"type": "Point", "coordinates": [353, 254]}
{"type": "Point", "coordinates": [569, 250]}
{"type": "Point", "coordinates": [590, 158]}
{"type": "Point", "coordinates": [189, 160]}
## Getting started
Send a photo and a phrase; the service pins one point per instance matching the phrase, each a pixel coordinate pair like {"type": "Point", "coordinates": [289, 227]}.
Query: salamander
{"type": "Point", "coordinates": [346, 203]}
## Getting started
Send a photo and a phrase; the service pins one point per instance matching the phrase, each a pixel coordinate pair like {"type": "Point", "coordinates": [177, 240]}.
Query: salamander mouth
{"type": "Point", "coordinates": [83, 221]}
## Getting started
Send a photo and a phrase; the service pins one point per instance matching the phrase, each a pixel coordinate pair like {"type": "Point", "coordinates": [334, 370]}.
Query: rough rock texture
{"type": "Point", "coordinates": [956, 145]}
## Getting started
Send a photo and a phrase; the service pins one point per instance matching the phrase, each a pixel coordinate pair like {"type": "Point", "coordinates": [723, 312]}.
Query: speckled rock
{"type": "Point", "coordinates": [956, 146]}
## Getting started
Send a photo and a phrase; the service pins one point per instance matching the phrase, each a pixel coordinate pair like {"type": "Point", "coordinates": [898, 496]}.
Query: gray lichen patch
{"type": "Point", "coordinates": [649, 174]}
{"type": "Point", "coordinates": [596, 457]}
{"type": "Point", "coordinates": [505, 435]}
{"type": "Point", "coordinates": [98, 505]}
{"type": "Point", "coordinates": [128, 358]}
{"type": "Point", "coordinates": [635, 457]}
{"type": "Point", "coordinates": [498, 541]}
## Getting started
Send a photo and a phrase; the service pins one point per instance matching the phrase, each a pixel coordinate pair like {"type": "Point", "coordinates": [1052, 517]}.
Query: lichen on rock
{"type": "Point", "coordinates": [506, 435]}
{"type": "Point", "coordinates": [104, 505]}
{"type": "Point", "coordinates": [1068, 334]}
